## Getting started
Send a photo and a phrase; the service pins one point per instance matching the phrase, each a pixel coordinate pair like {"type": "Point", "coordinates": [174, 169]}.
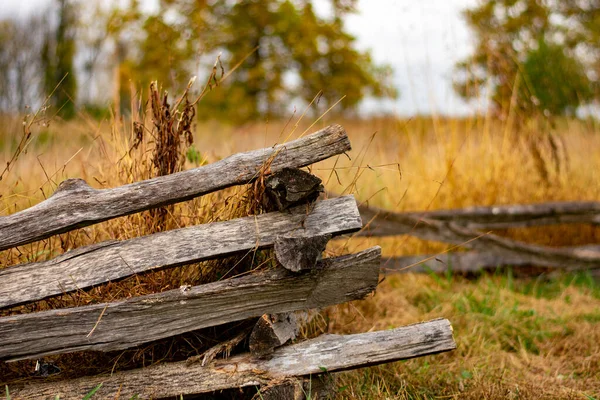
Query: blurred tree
{"type": "Point", "coordinates": [291, 52]}
{"type": "Point", "coordinates": [172, 63]}
{"type": "Point", "coordinates": [555, 82]}
{"type": "Point", "coordinates": [58, 60]}
{"type": "Point", "coordinates": [108, 35]}
{"type": "Point", "coordinates": [20, 68]}
{"type": "Point", "coordinates": [512, 36]}
{"type": "Point", "coordinates": [582, 32]}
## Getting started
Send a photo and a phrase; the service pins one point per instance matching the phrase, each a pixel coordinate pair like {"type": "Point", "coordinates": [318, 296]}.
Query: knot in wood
{"type": "Point", "coordinates": [292, 186]}
{"type": "Point", "coordinates": [300, 253]}
{"type": "Point", "coordinates": [73, 185]}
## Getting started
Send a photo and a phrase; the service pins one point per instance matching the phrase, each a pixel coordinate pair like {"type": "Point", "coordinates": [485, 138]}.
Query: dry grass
{"type": "Point", "coordinates": [517, 338]}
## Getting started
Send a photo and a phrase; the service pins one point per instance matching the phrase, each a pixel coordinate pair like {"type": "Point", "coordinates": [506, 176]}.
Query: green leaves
{"type": "Point", "coordinates": [531, 54]}
{"type": "Point", "coordinates": [301, 55]}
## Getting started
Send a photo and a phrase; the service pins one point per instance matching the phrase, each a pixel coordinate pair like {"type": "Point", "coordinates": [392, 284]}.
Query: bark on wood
{"type": "Point", "coordinates": [291, 186]}
{"type": "Point", "coordinates": [272, 331]}
{"type": "Point", "coordinates": [88, 266]}
{"type": "Point", "coordinates": [123, 324]}
{"type": "Point", "coordinates": [497, 217]}
{"type": "Point", "coordinates": [327, 353]}
{"type": "Point", "coordinates": [75, 204]}
{"type": "Point", "coordinates": [300, 253]}
{"type": "Point", "coordinates": [383, 223]}
{"type": "Point", "coordinates": [463, 262]}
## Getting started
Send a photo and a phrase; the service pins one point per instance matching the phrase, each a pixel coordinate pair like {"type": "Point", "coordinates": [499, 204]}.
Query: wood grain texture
{"type": "Point", "coordinates": [75, 204]}
{"type": "Point", "coordinates": [500, 217]}
{"type": "Point", "coordinates": [272, 331]}
{"type": "Point", "coordinates": [464, 262]}
{"type": "Point", "coordinates": [124, 324]}
{"type": "Point", "coordinates": [325, 353]}
{"type": "Point", "coordinates": [113, 260]}
{"type": "Point", "coordinates": [384, 223]}
{"type": "Point", "coordinates": [300, 253]}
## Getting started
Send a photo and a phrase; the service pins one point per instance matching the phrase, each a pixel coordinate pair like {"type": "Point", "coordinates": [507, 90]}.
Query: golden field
{"type": "Point", "coordinates": [518, 338]}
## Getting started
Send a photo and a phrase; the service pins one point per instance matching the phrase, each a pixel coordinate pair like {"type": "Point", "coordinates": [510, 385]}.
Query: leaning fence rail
{"type": "Point", "coordinates": [327, 352]}
{"type": "Point", "coordinates": [75, 204]}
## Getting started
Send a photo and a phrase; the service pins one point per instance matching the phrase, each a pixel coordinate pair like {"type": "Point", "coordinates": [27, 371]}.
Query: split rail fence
{"type": "Point", "coordinates": [471, 228]}
{"type": "Point", "coordinates": [302, 281]}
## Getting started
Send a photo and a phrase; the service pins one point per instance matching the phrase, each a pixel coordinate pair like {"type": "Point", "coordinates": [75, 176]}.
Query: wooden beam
{"type": "Point", "coordinates": [123, 324]}
{"type": "Point", "coordinates": [497, 217]}
{"type": "Point", "coordinates": [467, 262]}
{"type": "Point", "coordinates": [327, 353]}
{"type": "Point", "coordinates": [75, 204]}
{"type": "Point", "coordinates": [113, 260]}
{"type": "Point", "coordinates": [384, 223]}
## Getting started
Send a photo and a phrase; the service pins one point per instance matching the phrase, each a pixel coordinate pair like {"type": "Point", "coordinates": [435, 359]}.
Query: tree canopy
{"type": "Point", "coordinates": [283, 50]}
{"type": "Point", "coordinates": [275, 51]}
{"type": "Point", "coordinates": [535, 55]}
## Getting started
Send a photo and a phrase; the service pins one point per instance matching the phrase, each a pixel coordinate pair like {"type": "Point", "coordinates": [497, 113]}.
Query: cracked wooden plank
{"type": "Point", "coordinates": [123, 324]}
{"type": "Point", "coordinates": [113, 260]}
{"type": "Point", "coordinates": [326, 353]}
{"type": "Point", "coordinates": [75, 204]}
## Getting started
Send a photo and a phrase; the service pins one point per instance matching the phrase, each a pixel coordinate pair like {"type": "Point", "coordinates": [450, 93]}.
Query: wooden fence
{"type": "Point", "coordinates": [302, 281]}
{"type": "Point", "coordinates": [470, 228]}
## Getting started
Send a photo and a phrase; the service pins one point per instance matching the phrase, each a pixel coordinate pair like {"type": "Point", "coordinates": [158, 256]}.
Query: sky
{"type": "Point", "coordinates": [421, 40]}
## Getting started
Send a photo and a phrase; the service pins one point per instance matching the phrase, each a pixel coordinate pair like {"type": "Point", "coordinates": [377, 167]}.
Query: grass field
{"type": "Point", "coordinates": [518, 338]}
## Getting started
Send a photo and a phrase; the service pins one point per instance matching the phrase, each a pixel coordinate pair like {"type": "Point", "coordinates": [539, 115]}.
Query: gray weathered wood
{"type": "Point", "coordinates": [88, 266]}
{"type": "Point", "coordinates": [272, 331]}
{"type": "Point", "coordinates": [123, 324]}
{"type": "Point", "coordinates": [465, 262]}
{"type": "Point", "coordinates": [328, 353]}
{"type": "Point", "coordinates": [494, 217]}
{"type": "Point", "coordinates": [462, 262]}
{"type": "Point", "coordinates": [291, 186]}
{"type": "Point", "coordinates": [300, 253]}
{"type": "Point", "coordinates": [75, 204]}
{"type": "Point", "coordinates": [384, 223]}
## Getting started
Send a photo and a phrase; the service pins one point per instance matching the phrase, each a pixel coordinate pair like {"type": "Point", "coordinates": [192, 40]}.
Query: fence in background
{"type": "Point", "coordinates": [470, 228]}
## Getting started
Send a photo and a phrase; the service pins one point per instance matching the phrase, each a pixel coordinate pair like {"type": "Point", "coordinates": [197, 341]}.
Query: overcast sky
{"type": "Point", "coordinates": [422, 40]}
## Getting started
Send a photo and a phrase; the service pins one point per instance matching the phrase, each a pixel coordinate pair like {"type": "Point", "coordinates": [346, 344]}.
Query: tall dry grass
{"type": "Point", "coordinates": [416, 164]}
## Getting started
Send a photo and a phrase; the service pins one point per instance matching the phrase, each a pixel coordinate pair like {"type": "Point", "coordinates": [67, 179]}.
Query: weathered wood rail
{"type": "Point", "coordinates": [113, 260]}
{"type": "Point", "coordinates": [458, 227]}
{"type": "Point", "coordinates": [123, 324]}
{"type": "Point", "coordinates": [514, 216]}
{"type": "Point", "coordinates": [75, 204]}
{"type": "Point", "coordinates": [325, 354]}
{"type": "Point", "coordinates": [299, 280]}
{"type": "Point", "coordinates": [466, 262]}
